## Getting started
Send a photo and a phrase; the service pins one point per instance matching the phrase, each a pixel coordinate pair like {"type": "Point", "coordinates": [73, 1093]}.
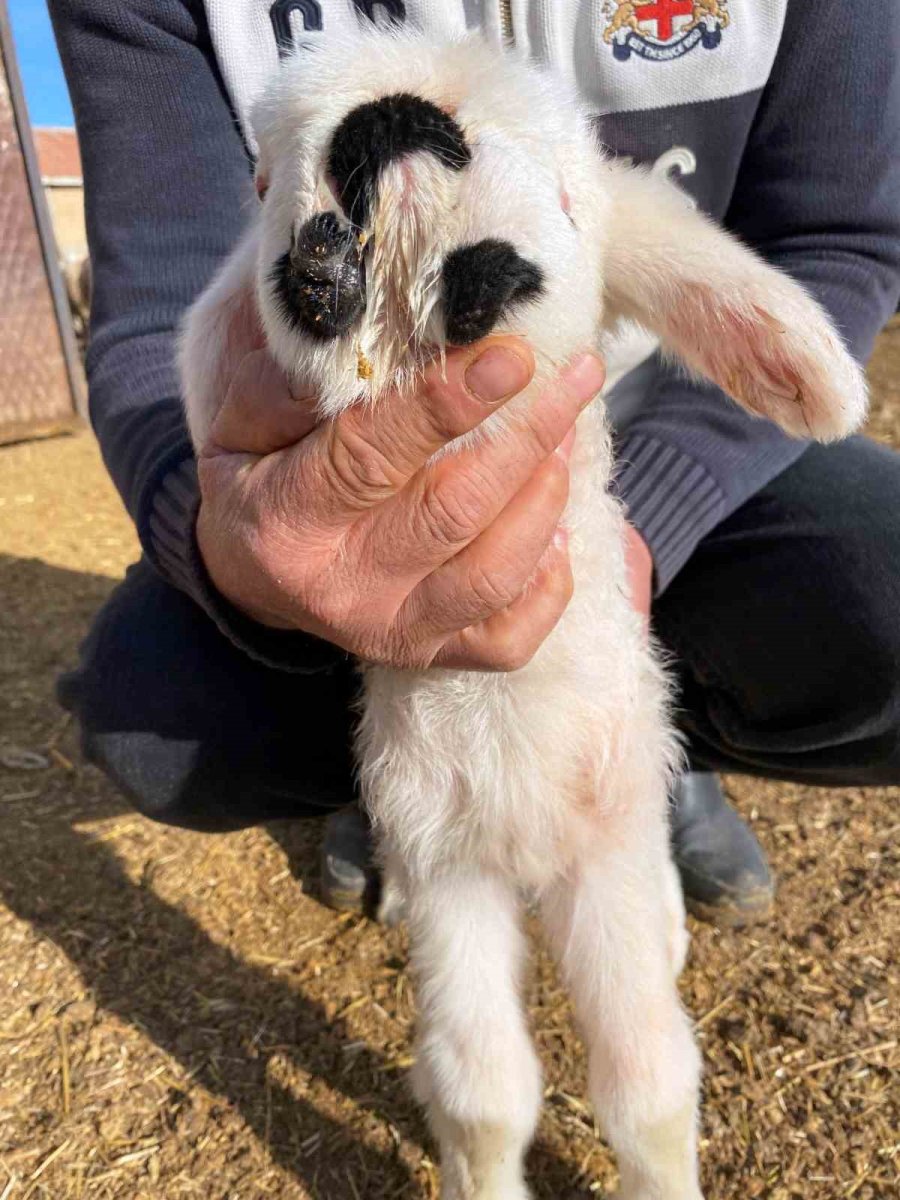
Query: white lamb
{"type": "Point", "coordinates": [552, 779]}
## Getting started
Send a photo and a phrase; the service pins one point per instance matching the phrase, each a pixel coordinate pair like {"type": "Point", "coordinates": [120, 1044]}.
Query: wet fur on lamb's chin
{"type": "Point", "coordinates": [553, 777]}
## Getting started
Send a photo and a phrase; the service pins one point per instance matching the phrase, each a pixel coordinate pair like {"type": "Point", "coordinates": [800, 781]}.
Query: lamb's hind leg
{"type": "Point", "coordinates": [610, 926]}
{"type": "Point", "coordinates": [476, 1070]}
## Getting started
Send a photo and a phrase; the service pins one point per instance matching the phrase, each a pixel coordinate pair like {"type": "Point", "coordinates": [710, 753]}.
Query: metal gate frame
{"type": "Point", "coordinates": [58, 295]}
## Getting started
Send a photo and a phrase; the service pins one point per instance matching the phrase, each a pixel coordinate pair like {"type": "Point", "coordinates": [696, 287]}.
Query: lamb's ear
{"type": "Point", "coordinates": [218, 330]}
{"type": "Point", "coordinates": [725, 313]}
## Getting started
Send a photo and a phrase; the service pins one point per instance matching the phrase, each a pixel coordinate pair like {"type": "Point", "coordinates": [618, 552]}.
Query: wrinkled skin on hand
{"type": "Point", "coordinates": [348, 529]}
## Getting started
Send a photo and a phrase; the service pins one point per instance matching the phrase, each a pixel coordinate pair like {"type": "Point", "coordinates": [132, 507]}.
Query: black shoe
{"type": "Point", "coordinates": [349, 877]}
{"type": "Point", "coordinates": [724, 874]}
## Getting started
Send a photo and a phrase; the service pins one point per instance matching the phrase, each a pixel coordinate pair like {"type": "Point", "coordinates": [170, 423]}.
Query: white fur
{"type": "Point", "coordinates": [552, 778]}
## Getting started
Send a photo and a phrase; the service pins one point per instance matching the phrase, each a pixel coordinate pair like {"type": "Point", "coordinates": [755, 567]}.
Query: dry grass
{"type": "Point", "coordinates": [179, 1017]}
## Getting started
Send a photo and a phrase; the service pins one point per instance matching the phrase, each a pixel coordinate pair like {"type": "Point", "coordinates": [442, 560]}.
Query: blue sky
{"type": "Point", "coordinates": [42, 77]}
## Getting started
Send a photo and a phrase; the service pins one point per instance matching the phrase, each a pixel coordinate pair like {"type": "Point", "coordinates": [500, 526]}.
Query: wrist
{"type": "Point", "coordinates": [230, 574]}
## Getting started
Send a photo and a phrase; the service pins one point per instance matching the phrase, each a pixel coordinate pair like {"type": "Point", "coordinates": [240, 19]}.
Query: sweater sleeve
{"type": "Point", "coordinates": [817, 195]}
{"type": "Point", "coordinates": [167, 184]}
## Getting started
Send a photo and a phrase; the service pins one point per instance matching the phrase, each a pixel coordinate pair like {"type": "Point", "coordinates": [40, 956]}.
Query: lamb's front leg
{"type": "Point", "coordinates": [611, 924]}
{"type": "Point", "coordinates": [476, 1070]}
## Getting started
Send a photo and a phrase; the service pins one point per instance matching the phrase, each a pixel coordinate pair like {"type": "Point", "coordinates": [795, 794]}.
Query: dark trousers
{"type": "Point", "coordinates": [784, 628]}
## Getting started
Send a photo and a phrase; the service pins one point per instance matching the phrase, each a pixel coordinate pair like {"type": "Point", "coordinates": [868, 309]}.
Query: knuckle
{"type": "Point", "coordinates": [442, 406]}
{"type": "Point", "coordinates": [544, 429]}
{"type": "Point", "coordinates": [448, 515]}
{"type": "Point", "coordinates": [568, 401]}
{"type": "Point", "coordinates": [358, 470]}
{"type": "Point", "coordinates": [544, 426]}
{"type": "Point", "coordinates": [494, 589]}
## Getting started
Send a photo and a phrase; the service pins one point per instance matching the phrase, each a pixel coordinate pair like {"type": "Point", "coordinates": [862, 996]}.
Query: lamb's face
{"type": "Point", "coordinates": [399, 219]}
{"type": "Point", "coordinates": [420, 193]}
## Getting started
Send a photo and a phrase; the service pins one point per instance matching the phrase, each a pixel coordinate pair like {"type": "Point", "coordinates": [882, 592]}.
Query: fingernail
{"type": "Point", "coordinates": [564, 449]}
{"type": "Point", "coordinates": [586, 374]}
{"type": "Point", "coordinates": [561, 538]}
{"type": "Point", "coordinates": [496, 374]}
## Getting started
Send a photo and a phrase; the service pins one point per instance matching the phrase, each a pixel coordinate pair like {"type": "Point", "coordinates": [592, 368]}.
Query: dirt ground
{"type": "Point", "coordinates": [180, 1017]}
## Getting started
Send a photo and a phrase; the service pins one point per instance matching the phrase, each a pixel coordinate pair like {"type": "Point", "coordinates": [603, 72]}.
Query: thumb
{"type": "Point", "coordinates": [260, 414]}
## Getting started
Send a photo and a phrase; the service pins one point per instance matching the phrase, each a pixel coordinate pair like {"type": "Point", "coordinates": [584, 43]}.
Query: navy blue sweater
{"type": "Point", "coordinates": [804, 165]}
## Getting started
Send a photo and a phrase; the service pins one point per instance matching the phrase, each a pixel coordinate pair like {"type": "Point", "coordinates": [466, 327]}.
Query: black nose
{"type": "Point", "coordinates": [481, 283]}
{"type": "Point", "coordinates": [376, 134]}
{"type": "Point", "coordinates": [321, 281]}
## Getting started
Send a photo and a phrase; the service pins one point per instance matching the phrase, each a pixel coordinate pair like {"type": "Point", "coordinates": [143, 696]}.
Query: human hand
{"type": "Point", "coordinates": [347, 529]}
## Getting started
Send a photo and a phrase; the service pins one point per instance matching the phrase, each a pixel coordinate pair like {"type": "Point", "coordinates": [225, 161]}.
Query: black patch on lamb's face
{"type": "Point", "coordinates": [376, 134]}
{"type": "Point", "coordinates": [481, 283]}
{"type": "Point", "coordinates": [320, 282]}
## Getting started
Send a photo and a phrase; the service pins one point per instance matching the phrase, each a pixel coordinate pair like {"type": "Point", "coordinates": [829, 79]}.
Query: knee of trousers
{"type": "Point", "coordinates": [185, 781]}
{"type": "Point", "coordinates": [162, 781]}
{"type": "Point", "coordinates": [850, 700]}
{"type": "Point", "coordinates": [192, 730]}
{"type": "Point", "coordinates": [214, 783]}
{"type": "Point", "coordinates": [808, 676]}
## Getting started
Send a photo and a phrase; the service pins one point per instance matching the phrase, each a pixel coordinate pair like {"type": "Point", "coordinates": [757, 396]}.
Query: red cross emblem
{"type": "Point", "coordinates": [646, 28]}
{"type": "Point", "coordinates": [663, 13]}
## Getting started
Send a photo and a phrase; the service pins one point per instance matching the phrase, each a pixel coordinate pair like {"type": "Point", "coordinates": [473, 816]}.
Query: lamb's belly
{"type": "Point", "coordinates": [471, 768]}
{"type": "Point", "coordinates": [510, 771]}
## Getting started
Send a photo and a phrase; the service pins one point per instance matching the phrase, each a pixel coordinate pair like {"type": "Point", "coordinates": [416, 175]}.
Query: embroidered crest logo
{"type": "Point", "coordinates": [663, 30]}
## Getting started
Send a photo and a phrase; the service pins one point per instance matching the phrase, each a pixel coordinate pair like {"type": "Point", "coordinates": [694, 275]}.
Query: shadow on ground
{"type": "Point", "coordinates": [150, 963]}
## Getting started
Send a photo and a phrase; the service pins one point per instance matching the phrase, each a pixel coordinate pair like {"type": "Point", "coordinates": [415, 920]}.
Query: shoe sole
{"type": "Point", "coordinates": [343, 900]}
{"type": "Point", "coordinates": [754, 909]}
